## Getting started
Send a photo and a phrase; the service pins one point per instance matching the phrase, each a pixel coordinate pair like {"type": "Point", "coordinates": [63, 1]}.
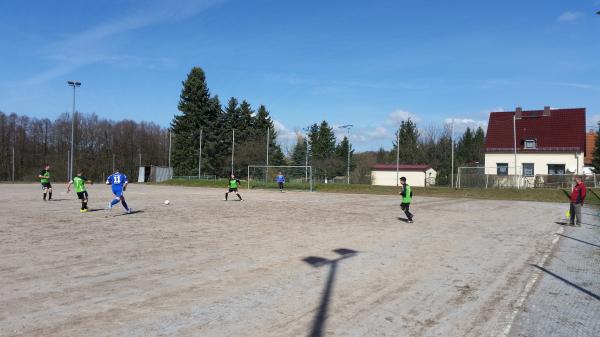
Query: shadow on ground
{"type": "Point", "coordinates": [316, 261]}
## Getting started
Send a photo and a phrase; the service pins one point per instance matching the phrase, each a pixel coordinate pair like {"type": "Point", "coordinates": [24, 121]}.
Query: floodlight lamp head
{"type": "Point", "coordinates": [74, 83]}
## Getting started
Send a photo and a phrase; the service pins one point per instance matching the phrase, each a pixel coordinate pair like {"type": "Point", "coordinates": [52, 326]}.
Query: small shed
{"type": "Point", "coordinates": [416, 174]}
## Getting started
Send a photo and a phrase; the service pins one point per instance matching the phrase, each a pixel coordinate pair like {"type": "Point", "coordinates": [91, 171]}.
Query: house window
{"type": "Point", "coordinates": [502, 169]}
{"type": "Point", "coordinates": [556, 168]}
{"type": "Point", "coordinates": [530, 144]}
{"type": "Point", "coordinates": [528, 170]}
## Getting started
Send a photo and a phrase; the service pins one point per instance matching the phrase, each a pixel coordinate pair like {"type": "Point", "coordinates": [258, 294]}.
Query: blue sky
{"type": "Point", "coordinates": [366, 63]}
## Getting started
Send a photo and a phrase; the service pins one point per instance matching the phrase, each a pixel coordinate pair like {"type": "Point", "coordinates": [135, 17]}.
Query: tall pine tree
{"type": "Point", "coordinates": [198, 111]}
{"type": "Point", "coordinates": [409, 140]}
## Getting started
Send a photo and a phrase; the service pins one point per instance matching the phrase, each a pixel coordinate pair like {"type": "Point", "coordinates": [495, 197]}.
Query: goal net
{"type": "Point", "coordinates": [296, 177]}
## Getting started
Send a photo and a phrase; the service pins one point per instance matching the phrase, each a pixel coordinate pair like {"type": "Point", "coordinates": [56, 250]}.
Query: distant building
{"type": "Point", "coordinates": [416, 174]}
{"type": "Point", "coordinates": [549, 141]}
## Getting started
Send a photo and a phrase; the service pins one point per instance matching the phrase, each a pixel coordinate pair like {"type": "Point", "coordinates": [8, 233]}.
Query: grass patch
{"type": "Point", "coordinates": [546, 195]}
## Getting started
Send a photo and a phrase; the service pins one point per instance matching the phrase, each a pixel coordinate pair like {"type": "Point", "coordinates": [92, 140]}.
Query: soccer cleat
{"type": "Point", "coordinates": [410, 221]}
{"type": "Point", "coordinates": [130, 210]}
{"type": "Point", "coordinates": [83, 210]}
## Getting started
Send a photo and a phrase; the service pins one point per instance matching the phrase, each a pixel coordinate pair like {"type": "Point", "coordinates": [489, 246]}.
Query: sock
{"type": "Point", "coordinates": [239, 196]}
{"type": "Point", "coordinates": [84, 205]}
{"type": "Point", "coordinates": [49, 195]}
{"type": "Point", "coordinates": [226, 195]}
{"type": "Point", "coordinates": [114, 202]}
{"type": "Point", "coordinates": [44, 194]}
{"type": "Point", "coordinates": [124, 203]}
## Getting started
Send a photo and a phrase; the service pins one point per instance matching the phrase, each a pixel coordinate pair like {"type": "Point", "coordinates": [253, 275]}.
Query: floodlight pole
{"type": "Point", "coordinates": [348, 127]}
{"type": "Point", "coordinates": [267, 171]}
{"type": "Point", "coordinates": [13, 164]}
{"type": "Point", "coordinates": [515, 144]}
{"type": "Point", "coordinates": [232, 148]}
{"type": "Point", "coordinates": [306, 129]}
{"type": "Point", "coordinates": [170, 141]}
{"type": "Point", "coordinates": [73, 84]}
{"type": "Point", "coordinates": [398, 158]}
{"type": "Point", "coordinates": [452, 154]}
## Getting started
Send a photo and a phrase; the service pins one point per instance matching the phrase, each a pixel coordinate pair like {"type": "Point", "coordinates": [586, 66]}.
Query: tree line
{"type": "Point", "coordinates": [206, 134]}
{"type": "Point", "coordinates": [250, 135]}
{"type": "Point", "coordinates": [98, 144]}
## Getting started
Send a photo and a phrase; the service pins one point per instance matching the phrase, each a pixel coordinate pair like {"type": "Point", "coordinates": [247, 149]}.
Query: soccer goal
{"type": "Point", "coordinates": [296, 177]}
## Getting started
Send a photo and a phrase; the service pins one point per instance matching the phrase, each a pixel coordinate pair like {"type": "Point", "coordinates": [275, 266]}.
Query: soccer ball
{"type": "Point", "coordinates": [167, 202]}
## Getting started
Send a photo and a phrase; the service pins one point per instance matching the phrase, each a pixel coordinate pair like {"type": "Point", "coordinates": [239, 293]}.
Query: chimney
{"type": "Point", "coordinates": [518, 113]}
{"type": "Point", "coordinates": [546, 111]}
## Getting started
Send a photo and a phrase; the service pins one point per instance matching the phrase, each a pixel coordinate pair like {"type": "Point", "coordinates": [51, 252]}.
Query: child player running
{"type": "Point", "coordinates": [406, 194]}
{"type": "Point", "coordinates": [233, 187]}
{"type": "Point", "coordinates": [118, 182]}
{"type": "Point", "coordinates": [79, 183]}
{"type": "Point", "coordinates": [44, 177]}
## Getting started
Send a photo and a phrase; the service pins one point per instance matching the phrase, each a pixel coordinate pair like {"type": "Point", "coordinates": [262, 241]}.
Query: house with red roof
{"type": "Point", "coordinates": [390, 174]}
{"type": "Point", "coordinates": [536, 142]}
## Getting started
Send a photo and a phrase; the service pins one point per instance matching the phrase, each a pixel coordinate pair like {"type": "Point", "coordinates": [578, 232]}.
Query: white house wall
{"type": "Point", "coordinates": [573, 161]}
{"type": "Point", "coordinates": [388, 178]}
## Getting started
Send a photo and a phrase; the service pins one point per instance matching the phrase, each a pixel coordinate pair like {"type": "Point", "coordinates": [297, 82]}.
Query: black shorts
{"type": "Point", "coordinates": [46, 185]}
{"type": "Point", "coordinates": [233, 190]}
{"type": "Point", "coordinates": [82, 195]}
{"type": "Point", "coordinates": [280, 184]}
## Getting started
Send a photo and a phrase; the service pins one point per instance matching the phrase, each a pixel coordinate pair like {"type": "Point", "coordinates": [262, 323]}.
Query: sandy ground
{"type": "Point", "coordinates": [205, 267]}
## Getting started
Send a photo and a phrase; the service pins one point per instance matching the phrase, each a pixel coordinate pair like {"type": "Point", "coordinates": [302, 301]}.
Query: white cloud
{"type": "Point", "coordinates": [461, 124]}
{"type": "Point", "coordinates": [92, 46]}
{"type": "Point", "coordinates": [283, 133]}
{"type": "Point", "coordinates": [569, 16]}
{"type": "Point", "coordinates": [397, 116]}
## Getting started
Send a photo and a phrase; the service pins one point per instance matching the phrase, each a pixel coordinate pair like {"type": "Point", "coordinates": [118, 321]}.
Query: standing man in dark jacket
{"type": "Point", "coordinates": [577, 198]}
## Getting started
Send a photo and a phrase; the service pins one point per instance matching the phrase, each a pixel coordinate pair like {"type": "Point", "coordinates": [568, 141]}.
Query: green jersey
{"type": "Point", "coordinates": [406, 194]}
{"type": "Point", "coordinates": [233, 183]}
{"type": "Point", "coordinates": [79, 184]}
{"type": "Point", "coordinates": [46, 176]}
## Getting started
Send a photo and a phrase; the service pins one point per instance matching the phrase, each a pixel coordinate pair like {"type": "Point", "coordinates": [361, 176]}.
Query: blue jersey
{"type": "Point", "coordinates": [117, 180]}
{"type": "Point", "coordinates": [280, 178]}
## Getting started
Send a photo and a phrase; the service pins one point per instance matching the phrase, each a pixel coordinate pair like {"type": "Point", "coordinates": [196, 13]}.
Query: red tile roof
{"type": "Point", "coordinates": [401, 167]}
{"type": "Point", "coordinates": [562, 131]}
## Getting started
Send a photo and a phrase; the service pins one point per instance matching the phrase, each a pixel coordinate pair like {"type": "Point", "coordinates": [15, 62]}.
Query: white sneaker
{"type": "Point", "coordinates": [109, 206]}
{"type": "Point", "coordinates": [130, 210]}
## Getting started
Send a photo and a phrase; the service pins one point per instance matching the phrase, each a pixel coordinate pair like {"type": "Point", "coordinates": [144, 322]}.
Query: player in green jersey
{"type": "Point", "coordinates": [406, 194]}
{"type": "Point", "coordinates": [233, 187]}
{"type": "Point", "coordinates": [44, 177]}
{"type": "Point", "coordinates": [79, 183]}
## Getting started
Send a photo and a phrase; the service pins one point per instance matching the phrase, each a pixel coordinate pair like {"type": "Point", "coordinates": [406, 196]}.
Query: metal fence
{"type": "Point", "coordinates": [476, 177]}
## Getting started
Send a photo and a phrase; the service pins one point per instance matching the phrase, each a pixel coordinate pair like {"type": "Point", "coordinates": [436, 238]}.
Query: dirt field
{"type": "Point", "coordinates": [205, 267]}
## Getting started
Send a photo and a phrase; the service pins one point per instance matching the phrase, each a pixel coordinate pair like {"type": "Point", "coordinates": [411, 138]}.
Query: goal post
{"type": "Point", "coordinates": [296, 177]}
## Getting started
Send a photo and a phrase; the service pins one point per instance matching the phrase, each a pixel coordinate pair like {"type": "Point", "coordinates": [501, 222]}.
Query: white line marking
{"type": "Point", "coordinates": [529, 286]}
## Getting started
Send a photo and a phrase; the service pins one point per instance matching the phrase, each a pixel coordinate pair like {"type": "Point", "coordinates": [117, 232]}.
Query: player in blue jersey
{"type": "Point", "coordinates": [118, 182]}
{"type": "Point", "coordinates": [280, 181]}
